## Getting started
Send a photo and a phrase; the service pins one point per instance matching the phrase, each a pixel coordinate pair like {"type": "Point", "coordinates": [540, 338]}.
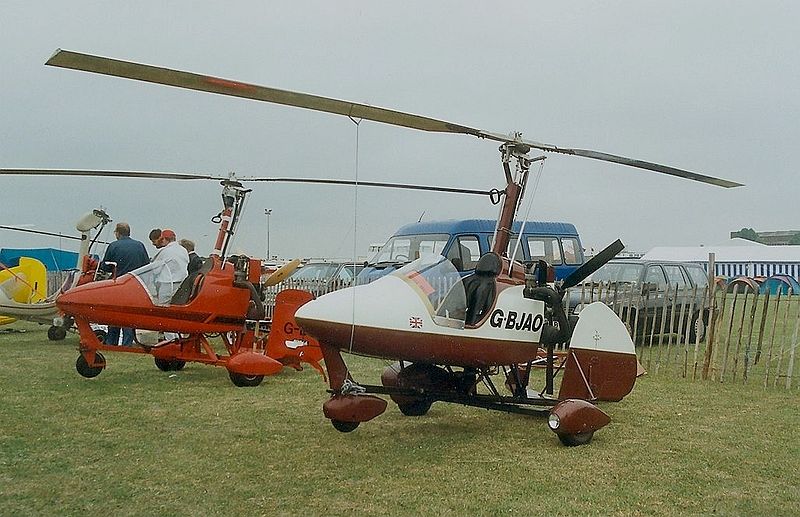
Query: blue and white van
{"type": "Point", "coordinates": [464, 241]}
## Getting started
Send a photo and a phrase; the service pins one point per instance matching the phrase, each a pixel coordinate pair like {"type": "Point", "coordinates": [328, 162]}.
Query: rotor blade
{"type": "Point", "coordinates": [640, 164]}
{"type": "Point", "coordinates": [41, 232]}
{"type": "Point", "coordinates": [205, 83]}
{"type": "Point", "coordinates": [595, 263]}
{"type": "Point", "coordinates": [108, 173]}
{"type": "Point", "coordinates": [372, 184]}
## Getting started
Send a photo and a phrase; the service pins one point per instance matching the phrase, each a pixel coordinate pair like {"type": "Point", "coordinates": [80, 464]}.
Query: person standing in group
{"type": "Point", "coordinates": [127, 254]}
{"type": "Point", "coordinates": [174, 261]}
{"type": "Point", "coordinates": [195, 260]}
{"type": "Point", "coordinates": [155, 238]}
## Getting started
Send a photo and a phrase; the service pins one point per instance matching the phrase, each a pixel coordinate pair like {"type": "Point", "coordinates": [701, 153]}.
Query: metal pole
{"type": "Point", "coordinates": [267, 212]}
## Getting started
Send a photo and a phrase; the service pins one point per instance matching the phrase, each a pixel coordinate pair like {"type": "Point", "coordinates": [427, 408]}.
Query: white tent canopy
{"type": "Point", "coordinates": [736, 260]}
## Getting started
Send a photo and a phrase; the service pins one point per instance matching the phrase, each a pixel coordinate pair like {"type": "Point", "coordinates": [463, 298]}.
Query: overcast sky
{"type": "Point", "coordinates": [712, 87]}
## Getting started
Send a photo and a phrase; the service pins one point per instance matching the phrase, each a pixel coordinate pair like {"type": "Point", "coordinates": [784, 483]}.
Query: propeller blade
{"type": "Point", "coordinates": [372, 184]}
{"type": "Point", "coordinates": [595, 263]}
{"type": "Point", "coordinates": [205, 83]}
{"type": "Point", "coordinates": [108, 173]}
{"type": "Point", "coordinates": [283, 272]}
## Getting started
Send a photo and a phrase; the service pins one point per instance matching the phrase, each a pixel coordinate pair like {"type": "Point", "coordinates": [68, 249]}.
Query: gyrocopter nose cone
{"type": "Point", "coordinates": [335, 307]}
{"type": "Point", "coordinates": [76, 301]}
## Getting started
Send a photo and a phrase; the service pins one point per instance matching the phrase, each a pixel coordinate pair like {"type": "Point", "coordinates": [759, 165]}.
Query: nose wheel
{"type": "Point", "coordinates": [86, 370]}
{"type": "Point", "coordinates": [55, 333]}
{"type": "Point", "coordinates": [169, 365]}
{"type": "Point", "coordinates": [344, 427]}
{"type": "Point", "coordinates": [245, 381]}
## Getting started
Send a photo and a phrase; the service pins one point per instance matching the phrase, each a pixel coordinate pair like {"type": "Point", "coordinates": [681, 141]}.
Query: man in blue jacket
{"type": "Point", "coordinates": [128, 254]}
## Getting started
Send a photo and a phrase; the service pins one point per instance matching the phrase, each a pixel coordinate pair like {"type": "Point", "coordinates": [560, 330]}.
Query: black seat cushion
{"type": "Point", "coordinates": [479, 288]}
{"type": "Point", "coordinates": [190, 285]}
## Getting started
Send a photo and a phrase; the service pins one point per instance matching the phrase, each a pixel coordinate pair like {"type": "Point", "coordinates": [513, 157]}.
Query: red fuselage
{"type": "Point", "coordinates": [218, 306]}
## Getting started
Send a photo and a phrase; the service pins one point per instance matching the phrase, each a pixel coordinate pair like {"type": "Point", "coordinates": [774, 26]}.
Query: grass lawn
{"type": "Point", "coordinates": [139, 441]}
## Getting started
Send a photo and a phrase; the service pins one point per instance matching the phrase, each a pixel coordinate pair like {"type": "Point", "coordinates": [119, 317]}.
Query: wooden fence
{"type": "Point", "coordinates": [707, 334]}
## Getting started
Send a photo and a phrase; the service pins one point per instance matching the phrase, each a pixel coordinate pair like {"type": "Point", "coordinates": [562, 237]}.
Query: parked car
{"type": "Point", "coordinates": [325, 275]}
{"type": "Point", "coordinates": [644, 292]}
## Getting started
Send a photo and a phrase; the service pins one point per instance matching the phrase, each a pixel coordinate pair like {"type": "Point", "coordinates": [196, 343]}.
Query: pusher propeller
{"type": "Point", "coordinates": [595, 263]}
{"type": "Point", "coordinates": [180, 79]}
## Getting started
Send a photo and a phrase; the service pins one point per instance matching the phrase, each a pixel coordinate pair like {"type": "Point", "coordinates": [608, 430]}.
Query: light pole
{"type": "Point", "coordinates": [267, 212]}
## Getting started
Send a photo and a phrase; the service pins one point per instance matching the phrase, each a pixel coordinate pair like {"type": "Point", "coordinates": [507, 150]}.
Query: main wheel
{"type": "Point", "coordinates": [55, 333]}
{"type": "Point", "coordinates": [88, 371]}
{"type": "Point", "coordinates": [418, 407]}
{"type": "Point", "coordinates": [422, 377]}
{"type": "Point", "coordinates": [245, 381]}
{"type": "Point", "coordinates": [698, 328]}
{"type": "Point", "coordinates": [344, 427]}
{"type": "Point", "coordinates": [169, 365]}
{"type": "Point", "coordinates": [571, 440]}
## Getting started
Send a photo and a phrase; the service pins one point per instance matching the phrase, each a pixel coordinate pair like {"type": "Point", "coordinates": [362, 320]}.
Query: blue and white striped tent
{"type": "Point", "coordinates": [751, 259]}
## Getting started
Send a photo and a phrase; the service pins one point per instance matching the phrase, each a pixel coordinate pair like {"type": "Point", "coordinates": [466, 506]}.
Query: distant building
{"type": "Point", "coordinates": [781, 238]}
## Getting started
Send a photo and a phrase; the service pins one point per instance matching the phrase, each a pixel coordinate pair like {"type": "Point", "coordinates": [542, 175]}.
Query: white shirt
{"type": "Point", "coordinates": [175, 259]}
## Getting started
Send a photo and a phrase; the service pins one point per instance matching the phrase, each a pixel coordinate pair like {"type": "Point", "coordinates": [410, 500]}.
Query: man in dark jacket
{"type": "Point", "coordinates": [128, 254]}
{"type": "Point", "coordinates": [195, 260]}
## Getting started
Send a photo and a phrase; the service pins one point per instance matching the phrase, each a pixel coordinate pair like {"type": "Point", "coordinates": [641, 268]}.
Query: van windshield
{"type": "Point", "coordinates": [405, 248]}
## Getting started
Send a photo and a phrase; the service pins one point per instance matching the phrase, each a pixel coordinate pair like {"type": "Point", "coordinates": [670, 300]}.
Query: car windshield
{"type": "Point", "coordinates": [618, 273]}
{"type": "Point", "coordinates": [437, 282]}
{"type": "Point", "coordinates": [405, 248]}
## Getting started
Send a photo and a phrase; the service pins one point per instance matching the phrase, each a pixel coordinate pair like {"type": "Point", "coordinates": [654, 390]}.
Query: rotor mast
{"type": "Point", "coordinates": [233, 196]}
{"type": "Point", "coordinates": [515, 188]}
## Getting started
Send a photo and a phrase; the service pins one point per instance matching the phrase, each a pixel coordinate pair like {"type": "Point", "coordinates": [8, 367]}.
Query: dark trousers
{"type": "Point", "coordinates": [128, 335]}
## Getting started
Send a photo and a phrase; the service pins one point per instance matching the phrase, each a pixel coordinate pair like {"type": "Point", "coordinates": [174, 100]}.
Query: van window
{"type": "Point", "coordinates": [512, 242]}
{"type": "Point", "coordinates": [465, 252]}
{"type": "Point", "coordinates": [411, 247]}
{"type": "Point", "coordinates": [572, 251]}
{"type": "Point", "coordinates": [545, 248]}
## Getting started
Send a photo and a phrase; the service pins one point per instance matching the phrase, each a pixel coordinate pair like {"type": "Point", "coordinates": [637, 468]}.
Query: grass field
{"type": "Point", "coordinates": [139, 441]}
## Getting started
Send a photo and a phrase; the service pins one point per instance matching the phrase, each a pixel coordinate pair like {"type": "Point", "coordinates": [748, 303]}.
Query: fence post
{"type": "Point", "coordinates": [772, 339]}
{"type": "Point", "coordinates": [790, 368]}
{"type": "Point", "coordinates": [663, 326]}
{"type": "Point", "coordinates": [671, 327]}
{"type": "Point", "coordinates": [761, 328]}
{"type": "Point", "coordinates": [685, 330]}
{"type": "Point", "coordinates": [783, 343]}
{"type": "Point", "coordinates": [749, 341]}
{"type": "Point", "coordinates": [712, 303]}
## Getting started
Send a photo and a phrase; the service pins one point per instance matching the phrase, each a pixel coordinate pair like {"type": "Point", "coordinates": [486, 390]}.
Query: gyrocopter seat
{"type": "Point", "coordinates": [479, 288]}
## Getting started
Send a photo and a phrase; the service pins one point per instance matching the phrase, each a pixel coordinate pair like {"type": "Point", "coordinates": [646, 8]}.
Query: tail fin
{"type": "Point", "coordinates": [25, 283]}
{"type": "Point", "coordinates": [287, 342]}
{"type": "Point", "coordinates": [601, 360]}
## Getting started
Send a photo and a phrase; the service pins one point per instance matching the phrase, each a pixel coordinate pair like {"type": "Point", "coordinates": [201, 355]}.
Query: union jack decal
{"type": "Point", "coordinates": [415, 322]}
